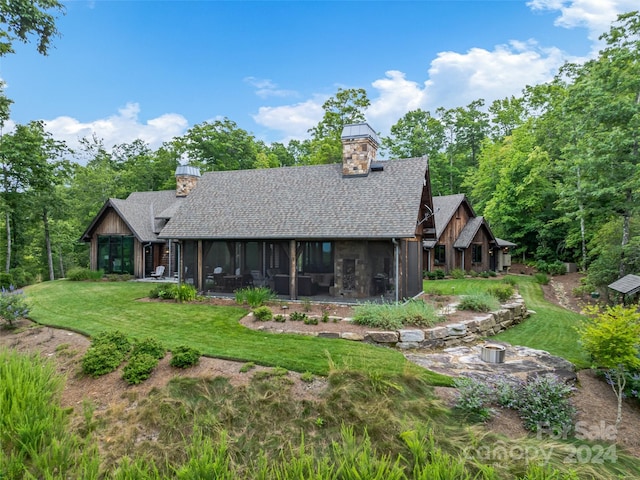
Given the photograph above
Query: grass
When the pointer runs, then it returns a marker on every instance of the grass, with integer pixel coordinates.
(93, 307)
(551, 328)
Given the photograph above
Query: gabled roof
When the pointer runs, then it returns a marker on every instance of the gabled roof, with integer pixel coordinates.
(313, 202)
(139, 212)
(505, 243)
(627, 285)
(469, 232)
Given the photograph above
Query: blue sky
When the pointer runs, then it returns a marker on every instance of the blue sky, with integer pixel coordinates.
(151, 69)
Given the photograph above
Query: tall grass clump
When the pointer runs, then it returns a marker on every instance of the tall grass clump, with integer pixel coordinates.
(34, 437)
(501, 291)
(394, 316)
(80, 274)
(479, 302)
(254, 296)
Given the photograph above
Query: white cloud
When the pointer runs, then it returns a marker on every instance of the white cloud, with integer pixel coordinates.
(456, 79)
(266, 88)
(292, 120)
(595, 15)
(124, 127)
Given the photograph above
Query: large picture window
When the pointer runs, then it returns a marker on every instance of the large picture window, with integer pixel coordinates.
(115, 254)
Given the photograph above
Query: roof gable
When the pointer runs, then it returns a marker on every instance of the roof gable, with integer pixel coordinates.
(139, 212)
(303, 202)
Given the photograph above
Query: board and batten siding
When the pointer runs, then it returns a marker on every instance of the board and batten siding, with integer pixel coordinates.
(112, 224)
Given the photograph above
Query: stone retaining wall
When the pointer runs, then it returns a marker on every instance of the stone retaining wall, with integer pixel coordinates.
(443, 336)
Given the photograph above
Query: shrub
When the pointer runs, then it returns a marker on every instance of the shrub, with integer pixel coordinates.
(80, 274)
(457, 273)
(20, 277)
(439, 274)
(185, 293)
(139, 368)
(297, 316)
(166, 291)
(149, 346)
(394, 316)
(184, 356)
(310, 321)
(541, 278)
(554, 268)
(279, 318)
(115, 337)
(478, 302)
(502, 292)
(12, 305)
(254, 296)
(263, 314)
(473, 398)
(543, 402)
(102, 359)
(431, 275)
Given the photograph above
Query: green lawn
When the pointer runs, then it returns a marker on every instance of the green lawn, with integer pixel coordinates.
(92, 307)
(552, 328)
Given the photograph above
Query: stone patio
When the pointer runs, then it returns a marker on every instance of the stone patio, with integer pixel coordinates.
(520, 363)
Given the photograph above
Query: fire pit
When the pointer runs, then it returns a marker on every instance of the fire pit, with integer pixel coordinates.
(492, 353)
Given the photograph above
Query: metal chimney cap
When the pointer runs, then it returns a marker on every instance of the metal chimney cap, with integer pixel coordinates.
(359, 130)
(188, 170)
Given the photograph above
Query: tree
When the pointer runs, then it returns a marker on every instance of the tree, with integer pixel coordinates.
(22, 19)
(218, 145)
(612, 338)
(606, 91)
(347, 106)
(414, 135)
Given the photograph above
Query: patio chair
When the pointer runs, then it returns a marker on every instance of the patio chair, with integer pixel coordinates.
(258, 278)
(159, 273)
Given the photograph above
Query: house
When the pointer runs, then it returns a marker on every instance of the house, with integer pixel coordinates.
(123, 236)
(463, 240)
(350, 230)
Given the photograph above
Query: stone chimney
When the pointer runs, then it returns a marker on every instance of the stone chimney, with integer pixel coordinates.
(186, 179)
(359, 147)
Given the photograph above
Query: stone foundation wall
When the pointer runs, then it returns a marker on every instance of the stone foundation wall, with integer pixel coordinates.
(450, 335)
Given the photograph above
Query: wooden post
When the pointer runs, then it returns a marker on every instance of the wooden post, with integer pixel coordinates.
(198, 278)
(293, 291)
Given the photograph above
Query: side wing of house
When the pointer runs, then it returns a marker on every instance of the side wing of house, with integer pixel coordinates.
(113, 246)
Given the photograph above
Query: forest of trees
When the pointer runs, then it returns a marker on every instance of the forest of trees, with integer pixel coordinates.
(555, 170)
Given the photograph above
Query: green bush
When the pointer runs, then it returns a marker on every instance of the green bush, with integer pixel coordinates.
(310, 321)
(554, 268)
(457, 273)
(474, 398)
(541, 278)
(184, 356)
(543, 402)
(115, 337)
(502, 292)
(20, 276)
(394, 316)
(431, 275)
(263, 314)
(439, 274)
(80, 274)
(149, 346)
(297, 316)
(101, 359)
(279, 318)
(185, 292)
(139, 368)
(478, 302)
(254, 296)
(12, 305)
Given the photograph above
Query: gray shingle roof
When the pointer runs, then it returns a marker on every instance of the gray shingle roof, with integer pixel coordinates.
(313, 202)
(139, 212)
(444, 207)
(628, 284)
(468, 232)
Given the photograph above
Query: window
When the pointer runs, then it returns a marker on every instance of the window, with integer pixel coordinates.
(115, 254)
(317, 257)
(440, 257)
(476, 253)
